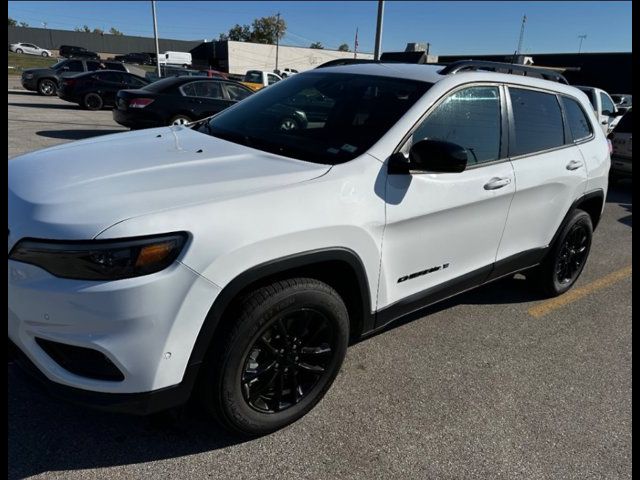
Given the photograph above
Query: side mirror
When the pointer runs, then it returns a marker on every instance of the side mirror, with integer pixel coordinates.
(434, 156)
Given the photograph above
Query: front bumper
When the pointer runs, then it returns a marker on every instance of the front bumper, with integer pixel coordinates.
(145, 326)
(29, 84)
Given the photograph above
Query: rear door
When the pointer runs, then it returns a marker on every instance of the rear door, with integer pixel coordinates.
(205, 98)
(549, 168)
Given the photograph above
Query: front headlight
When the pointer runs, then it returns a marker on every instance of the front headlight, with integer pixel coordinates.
(101, 259)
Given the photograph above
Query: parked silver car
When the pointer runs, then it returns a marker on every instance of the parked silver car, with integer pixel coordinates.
(30, 49)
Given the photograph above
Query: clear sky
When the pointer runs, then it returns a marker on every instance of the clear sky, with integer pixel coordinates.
(450, 27)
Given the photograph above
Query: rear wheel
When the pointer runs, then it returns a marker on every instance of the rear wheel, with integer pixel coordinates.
(19, 50)
(47, 87)
(289, 123)
(278, 358)
(567, 257)
(180, 120)
(45, 54)
(92, 101)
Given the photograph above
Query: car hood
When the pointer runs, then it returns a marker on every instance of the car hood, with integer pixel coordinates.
(40, 71)
(77, 190)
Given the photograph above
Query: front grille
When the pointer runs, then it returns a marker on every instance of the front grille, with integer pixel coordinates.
(85, 362)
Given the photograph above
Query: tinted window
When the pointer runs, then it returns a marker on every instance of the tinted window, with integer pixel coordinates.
(75, 66)
(361, 110)
(236, 93)
(109, 77)
(272, 79)
(134, 81)
(579, 124)
(92, 66)
(203, 89)
(469, 118)
(538, 121)
(607, 104)
(253, 77)
(625, 125)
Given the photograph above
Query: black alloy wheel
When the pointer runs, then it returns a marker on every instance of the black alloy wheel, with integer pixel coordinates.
(572, 255)
(287, 359)
(93, 101)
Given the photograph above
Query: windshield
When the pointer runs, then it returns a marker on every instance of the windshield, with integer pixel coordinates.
(320, 117)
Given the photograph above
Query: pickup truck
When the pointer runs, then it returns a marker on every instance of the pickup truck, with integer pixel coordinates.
(257, 79)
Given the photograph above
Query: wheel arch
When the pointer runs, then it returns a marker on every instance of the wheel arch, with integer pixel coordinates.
(341, 268)
(591, 202)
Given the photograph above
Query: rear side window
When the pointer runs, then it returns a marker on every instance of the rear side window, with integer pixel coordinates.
(538, 121)
(236, 93)
(203, 89)
(469, 118)
(579, 124)
(75, 66)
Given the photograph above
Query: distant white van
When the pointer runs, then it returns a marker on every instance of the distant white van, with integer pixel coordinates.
(182, 59)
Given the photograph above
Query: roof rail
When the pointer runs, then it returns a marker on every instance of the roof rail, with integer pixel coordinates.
(465, 65)
(346, 61)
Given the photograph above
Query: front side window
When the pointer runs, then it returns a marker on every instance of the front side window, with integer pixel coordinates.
(470, 118)
(271, 79)
(579, 124)
(607, 104)
(93, 66)
(538, 121)
(75, 66)
(356, 111)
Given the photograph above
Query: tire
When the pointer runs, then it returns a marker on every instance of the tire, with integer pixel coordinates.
(246, 402)
(180, 120)
(92, 101)
(19, 50)
(568, 255)
(47, 87)
(289, 123)
(45, 54)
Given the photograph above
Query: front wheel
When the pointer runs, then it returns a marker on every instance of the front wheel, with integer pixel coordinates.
(278, 358)
(19, 50)
(567, 257)
(47, 87)
(45, 54)
(180, 120)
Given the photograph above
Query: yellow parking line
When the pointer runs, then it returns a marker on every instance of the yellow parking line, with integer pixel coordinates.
(573, 295)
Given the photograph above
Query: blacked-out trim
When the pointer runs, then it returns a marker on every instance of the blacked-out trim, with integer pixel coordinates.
(420, 300)
(430, 296)
(273, 267)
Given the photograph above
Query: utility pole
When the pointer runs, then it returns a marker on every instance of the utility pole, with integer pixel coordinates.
(355, 45)
(376, 54)
(581, 37)
(524, 19)
(277, 39)
(155, 34)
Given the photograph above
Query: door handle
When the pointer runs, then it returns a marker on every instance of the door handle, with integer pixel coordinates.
(574, 165)
(496, 183)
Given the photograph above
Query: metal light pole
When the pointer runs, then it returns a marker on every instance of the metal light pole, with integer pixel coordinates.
(376, 53)
(155, 34)
(524, 20)
(277, 40)
(581, 37)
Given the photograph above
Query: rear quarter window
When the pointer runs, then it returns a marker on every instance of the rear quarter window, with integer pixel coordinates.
(579, 125)
(537, 121)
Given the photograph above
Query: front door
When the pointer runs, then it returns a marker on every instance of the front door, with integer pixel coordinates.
(443, 229)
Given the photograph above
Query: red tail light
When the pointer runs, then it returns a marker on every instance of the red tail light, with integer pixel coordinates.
(610, 146)
(140, 102)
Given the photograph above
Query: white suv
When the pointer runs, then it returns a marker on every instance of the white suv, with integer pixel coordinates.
(241, 257)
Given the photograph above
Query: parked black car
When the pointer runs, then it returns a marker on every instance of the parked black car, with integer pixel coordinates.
(45, 80)
(136, 58)
(176, 100)
(95, 90)
(69, 51)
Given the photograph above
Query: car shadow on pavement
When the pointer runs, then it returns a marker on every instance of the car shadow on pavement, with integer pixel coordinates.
(621, 193)
(78, 134)
(47, 435)
(62, 106)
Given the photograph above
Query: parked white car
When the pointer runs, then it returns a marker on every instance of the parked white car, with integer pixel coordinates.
(241, 258)
(604, 108)
(29, 49)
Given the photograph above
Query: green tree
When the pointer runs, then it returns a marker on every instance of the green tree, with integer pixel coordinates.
(263, 30)
(23, 24)
(115, 31)
(12, 22)
(317, 45)
(98, 30)
(343, 48)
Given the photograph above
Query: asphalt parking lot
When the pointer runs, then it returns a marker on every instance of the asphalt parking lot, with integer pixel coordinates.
(495, 383)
